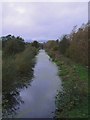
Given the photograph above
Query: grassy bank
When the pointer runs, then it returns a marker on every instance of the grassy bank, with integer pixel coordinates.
(17, 68)
(17, 74)
(18, 60)
(72, 102)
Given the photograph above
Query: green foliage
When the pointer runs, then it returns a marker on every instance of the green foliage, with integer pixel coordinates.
(35, 44)
(72, 101)
(17, 70)
(9, 74)
(52, 46)
(71, 55)
(0, 44)
(64, 44)
(12, 45)
(17, 66)
(74, 45)
(78, 50)
(24, 61)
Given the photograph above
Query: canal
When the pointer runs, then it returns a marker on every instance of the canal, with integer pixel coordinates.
(39, 97)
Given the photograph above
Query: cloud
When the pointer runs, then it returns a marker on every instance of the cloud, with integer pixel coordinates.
(42, 20)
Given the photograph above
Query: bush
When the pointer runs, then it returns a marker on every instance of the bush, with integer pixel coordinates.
(9, 74)
(12, 45)
(24, 60)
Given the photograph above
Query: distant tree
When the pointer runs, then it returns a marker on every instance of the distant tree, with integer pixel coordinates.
(78, 50)
(64, 44)
(12, 44)
(74, 45)
(35, 44)
(57, 41)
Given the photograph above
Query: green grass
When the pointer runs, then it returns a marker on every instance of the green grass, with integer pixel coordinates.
(72, 102)
(17, 67)
(75, 85)
(82, 72)
(80, 111)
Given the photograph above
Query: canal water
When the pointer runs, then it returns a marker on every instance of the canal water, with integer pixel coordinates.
(39, 97)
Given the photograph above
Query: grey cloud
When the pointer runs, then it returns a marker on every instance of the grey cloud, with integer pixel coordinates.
(42, 20)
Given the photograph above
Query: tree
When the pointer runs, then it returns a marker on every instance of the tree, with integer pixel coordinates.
(35, 44)
(64, 44)
(12, 44)
(78, 50)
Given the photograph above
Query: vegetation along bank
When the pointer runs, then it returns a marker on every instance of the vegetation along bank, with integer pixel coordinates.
(71, 55)
(18, 59)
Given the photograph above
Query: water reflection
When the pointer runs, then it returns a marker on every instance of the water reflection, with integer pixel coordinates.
(11, 103)
(11, 99)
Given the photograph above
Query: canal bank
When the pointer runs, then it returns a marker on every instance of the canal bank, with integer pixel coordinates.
(72, 102)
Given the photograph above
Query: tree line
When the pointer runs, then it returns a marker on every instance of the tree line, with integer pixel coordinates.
(73, 45)
(70, 53)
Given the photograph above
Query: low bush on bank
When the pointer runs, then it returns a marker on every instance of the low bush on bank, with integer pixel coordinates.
(17, 67)
(24, 61)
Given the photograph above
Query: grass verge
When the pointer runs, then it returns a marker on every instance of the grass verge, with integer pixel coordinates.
(72, 102)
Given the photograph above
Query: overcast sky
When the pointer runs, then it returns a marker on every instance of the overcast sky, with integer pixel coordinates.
(42, 21)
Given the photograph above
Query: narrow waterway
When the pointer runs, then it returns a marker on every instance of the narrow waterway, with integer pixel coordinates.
(39, 97)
